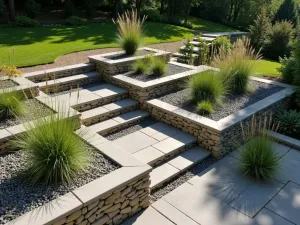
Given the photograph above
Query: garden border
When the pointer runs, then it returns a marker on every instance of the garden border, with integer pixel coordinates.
(223, 135)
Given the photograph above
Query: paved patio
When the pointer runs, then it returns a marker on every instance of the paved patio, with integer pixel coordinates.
(220, 195)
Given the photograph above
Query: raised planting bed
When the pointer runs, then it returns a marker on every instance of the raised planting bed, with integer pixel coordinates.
(118, 62)
(142, 87)
(114, 187)
(19, 84)
(221, 131)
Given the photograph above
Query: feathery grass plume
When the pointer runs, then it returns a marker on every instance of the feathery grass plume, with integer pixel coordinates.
(55, 154)
(158, 66)
(11, 103)
(207, 86)
(130, 31)
(258, 158)
(237, 65)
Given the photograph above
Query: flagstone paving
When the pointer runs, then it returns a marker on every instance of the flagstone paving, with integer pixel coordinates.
(221, 195)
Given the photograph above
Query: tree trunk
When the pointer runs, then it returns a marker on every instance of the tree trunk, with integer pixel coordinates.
(139, 6)
(116, 8)
(12, 11)
(162, 7)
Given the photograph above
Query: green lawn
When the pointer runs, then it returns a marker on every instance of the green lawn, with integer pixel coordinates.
(205, 25)
(268, 67)
(33, 46)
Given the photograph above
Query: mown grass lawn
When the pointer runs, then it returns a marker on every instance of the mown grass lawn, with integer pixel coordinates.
(33, 46)
(205, 25)
(267, 67)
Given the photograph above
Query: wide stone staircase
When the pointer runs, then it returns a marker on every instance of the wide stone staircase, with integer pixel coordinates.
(106, 109)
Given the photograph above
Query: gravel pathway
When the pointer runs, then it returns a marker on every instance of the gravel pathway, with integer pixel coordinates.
(132, 129)
(7, 84)
(17, 197)
(34, 110)
(172, 69)
(81, 57)
(231, 105)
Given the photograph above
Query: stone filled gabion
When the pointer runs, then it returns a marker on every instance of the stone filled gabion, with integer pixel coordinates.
(114, 207)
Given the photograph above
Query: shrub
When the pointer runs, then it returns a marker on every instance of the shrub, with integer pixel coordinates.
(207, 86)
(90, 8)
(130, 32)
(141, 66)
(260, 30)
(158, 66)
(10, 71)
(32, 9)
(2, 8)
(69, 9)
(205, 107)
(258, 159)
(288, 69)
(75, 21)
(152, 14)
(279, 41)
(188, 52)
(288, 10)
(289, 122)
(54, 152)
(24, 21)
(237, 65)
(297, 96)
(222, 42)
(203, 52)
(11, 104)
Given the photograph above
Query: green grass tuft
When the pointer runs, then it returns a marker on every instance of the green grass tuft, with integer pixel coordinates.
(54, 153)
(289, 122)
(11, 104)
(205, 107)
(141, 66)
(158, 66)
(258, 159)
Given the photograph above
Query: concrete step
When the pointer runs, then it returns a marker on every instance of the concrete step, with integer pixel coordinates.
(196, 43)
(180, 55)
(179, 164)
(93, 96)
(56, 73)
(108, 111)
(66, 83)
(117, 123)
(207, 39)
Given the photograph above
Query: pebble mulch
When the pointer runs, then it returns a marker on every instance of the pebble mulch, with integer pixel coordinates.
(7, 84)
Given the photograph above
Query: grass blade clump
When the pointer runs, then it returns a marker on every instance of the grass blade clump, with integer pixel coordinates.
(130, 31)
(289, 122)
(158, 66)
(205, 107)
(237, 65)
(54, 153)
(207, 86)
(141, 66)
(11, 104)
(258, 159)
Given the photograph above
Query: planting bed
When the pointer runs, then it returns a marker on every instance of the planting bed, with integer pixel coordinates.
(18, 197)
(122, 55)
(172, 70)
(232, 104)
(35, 110)
(7, 84)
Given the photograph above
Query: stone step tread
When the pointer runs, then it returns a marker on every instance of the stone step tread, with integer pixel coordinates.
(118, 121)
(208, 39)
(69, 78)
(196, 43)
(106, 90)
(108, 108)
(180, 55)
(178, 164)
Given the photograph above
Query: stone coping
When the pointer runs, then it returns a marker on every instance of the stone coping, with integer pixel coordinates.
(232, 119)
(294, 143)
(22, 84)
(126, 59)
(162, 80)
(54, 211)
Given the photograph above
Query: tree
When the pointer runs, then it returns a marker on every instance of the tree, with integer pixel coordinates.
(260, 30)
(12, 10)
(288, 11)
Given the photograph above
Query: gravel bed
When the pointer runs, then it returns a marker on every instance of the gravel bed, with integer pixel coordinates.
(172, 69)
(7, 84)
(35, 110)
(193, 171)
(17, 197)
(132, 129)
(230, 105)
(123, 55)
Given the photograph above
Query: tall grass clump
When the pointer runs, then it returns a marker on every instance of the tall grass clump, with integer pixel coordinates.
(141, 66)
(237, 65)
(55, 154)
(158, 66)
(130, 31)
(207, 86)
(11, 104)
(258, 158)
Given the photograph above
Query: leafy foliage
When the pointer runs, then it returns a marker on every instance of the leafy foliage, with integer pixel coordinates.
(258, 159)
(75, 21)
(222, 42)
(32, 9)
(203, 53)
(10, 71)
(289, 122)
(288, 69)
(130, 31)
(11, 104)
(189, 52)
(54, 152)
(158, 66)
(24, 21)
(289, 10)
(69, 9)
(205, 107)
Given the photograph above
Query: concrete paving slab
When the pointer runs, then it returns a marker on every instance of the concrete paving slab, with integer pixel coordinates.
(149, 155)
(155, 128)
(266, 217)
(162, 173)
(135, 142)
(287, 203)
